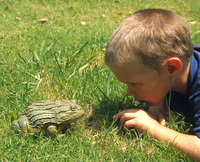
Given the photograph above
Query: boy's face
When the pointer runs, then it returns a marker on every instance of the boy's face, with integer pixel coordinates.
(144, 84)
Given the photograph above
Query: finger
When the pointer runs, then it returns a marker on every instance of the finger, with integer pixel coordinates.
(162, 120)
(117, 116)
(120, 114)
(126, 117)
(128, 124)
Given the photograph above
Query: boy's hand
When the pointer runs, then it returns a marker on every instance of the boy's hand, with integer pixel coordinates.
(136, 118)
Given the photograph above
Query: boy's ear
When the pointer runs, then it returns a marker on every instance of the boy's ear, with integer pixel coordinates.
(173, 65)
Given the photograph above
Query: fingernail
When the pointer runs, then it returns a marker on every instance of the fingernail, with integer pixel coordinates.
(163, 122)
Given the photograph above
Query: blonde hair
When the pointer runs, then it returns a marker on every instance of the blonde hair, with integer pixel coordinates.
(148, 37)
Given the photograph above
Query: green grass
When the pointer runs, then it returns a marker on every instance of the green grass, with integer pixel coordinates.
(63, 59)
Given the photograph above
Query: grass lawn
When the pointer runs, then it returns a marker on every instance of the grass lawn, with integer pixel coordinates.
(62, 58)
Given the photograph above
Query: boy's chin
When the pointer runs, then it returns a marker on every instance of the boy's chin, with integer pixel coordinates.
(150, 104)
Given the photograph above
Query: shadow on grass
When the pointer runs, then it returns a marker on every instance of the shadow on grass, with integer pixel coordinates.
(100, 115)
(102, 112)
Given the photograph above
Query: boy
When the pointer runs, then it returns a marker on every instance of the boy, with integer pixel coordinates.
(151, 52)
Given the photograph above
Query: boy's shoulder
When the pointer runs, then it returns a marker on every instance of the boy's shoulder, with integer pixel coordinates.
(193, 90)
(193, 85)
(194, 72)
(196, 47)
(196, 51)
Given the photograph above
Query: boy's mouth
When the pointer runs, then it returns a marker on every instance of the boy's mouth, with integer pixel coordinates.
(147, 102)
(142, 101)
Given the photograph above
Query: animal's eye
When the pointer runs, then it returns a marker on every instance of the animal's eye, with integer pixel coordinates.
(73, 108)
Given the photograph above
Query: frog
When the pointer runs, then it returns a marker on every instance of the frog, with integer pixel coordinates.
(47, 117)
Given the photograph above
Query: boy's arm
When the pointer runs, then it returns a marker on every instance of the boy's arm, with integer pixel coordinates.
(189, 144)
(143, 122)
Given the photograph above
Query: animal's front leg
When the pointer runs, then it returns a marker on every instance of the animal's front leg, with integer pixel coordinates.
(52, 129)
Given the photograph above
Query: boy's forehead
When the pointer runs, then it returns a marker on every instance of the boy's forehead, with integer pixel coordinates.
(130, 73)
(136, 67)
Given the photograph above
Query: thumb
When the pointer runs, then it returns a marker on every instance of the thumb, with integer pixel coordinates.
(162, 120)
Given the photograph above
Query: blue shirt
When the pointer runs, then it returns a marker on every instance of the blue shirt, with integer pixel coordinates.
(193, 90)
(189, 105)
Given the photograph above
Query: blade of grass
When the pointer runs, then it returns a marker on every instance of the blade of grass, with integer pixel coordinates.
(168, 103)
(57, 62)
(22, 58)
(21, 87)
(103, 93)
(80, 50)
(71, 61)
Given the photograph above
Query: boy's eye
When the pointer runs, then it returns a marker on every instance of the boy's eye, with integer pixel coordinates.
(133, 84)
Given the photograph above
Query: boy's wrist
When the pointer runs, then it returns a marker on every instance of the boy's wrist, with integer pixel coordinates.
(153, 129)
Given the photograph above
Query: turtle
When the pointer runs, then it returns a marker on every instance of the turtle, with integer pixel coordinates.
(47, 117)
